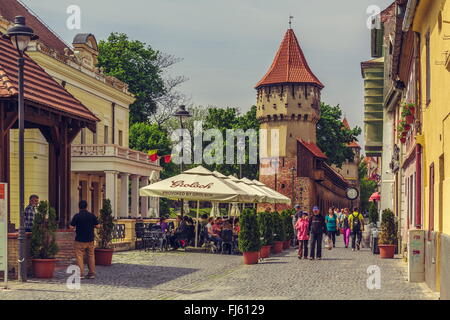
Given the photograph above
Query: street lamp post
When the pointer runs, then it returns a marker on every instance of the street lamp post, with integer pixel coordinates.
(20, 36)
(293, 171)
(182, 114)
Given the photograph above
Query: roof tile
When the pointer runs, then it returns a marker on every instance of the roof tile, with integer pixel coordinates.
(40, 87)
(313, 148)
(289, 65)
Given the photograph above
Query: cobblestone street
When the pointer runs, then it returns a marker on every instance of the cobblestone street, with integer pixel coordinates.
(179, 275)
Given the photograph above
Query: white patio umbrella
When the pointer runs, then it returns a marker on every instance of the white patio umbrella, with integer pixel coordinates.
(261, 197)
(279, 198)
(197, 184)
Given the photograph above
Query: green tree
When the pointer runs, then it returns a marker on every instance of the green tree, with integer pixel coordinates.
(136, 64)
(367, 186)
(333, 137)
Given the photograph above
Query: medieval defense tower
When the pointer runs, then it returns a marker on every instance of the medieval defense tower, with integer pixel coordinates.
(288, 108)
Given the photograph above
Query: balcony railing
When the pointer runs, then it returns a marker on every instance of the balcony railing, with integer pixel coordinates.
(109, 150)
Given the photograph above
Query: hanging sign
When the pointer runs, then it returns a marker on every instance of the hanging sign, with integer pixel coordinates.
(4, 231)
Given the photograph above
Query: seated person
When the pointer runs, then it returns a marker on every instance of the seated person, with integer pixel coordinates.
(212, 236)
(179, 234)
(163, 224)
(237, 227)
(217, 226)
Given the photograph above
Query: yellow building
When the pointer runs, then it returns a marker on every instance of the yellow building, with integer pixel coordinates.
(102, 164)
(432, 22)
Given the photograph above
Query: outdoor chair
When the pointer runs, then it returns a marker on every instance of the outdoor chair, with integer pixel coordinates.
(139, 232)
(227, 240)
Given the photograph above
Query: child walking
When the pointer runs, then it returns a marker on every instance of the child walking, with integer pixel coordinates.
(302, 227)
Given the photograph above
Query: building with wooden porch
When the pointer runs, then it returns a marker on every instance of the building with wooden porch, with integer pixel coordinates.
(102, 164)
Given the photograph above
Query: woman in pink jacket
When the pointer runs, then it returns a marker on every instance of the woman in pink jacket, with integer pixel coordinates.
(302, 227)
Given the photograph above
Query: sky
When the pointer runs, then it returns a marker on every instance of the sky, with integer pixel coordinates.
(228, 45)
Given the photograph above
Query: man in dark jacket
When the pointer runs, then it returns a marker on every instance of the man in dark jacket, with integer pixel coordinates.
(84, 224)
(317, 228)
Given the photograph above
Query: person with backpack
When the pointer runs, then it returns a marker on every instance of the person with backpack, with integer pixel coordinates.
(316, 230)
(356, 222)
(345, 226)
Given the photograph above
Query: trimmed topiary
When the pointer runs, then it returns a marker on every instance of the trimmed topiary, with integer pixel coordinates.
(388, 234)
(43, 238)
(105, 233)
(265, 226)
(279, 232)
(249, 237)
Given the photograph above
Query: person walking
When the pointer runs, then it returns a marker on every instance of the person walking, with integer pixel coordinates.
(84, 224)
(316, 228)
(30, 212)
(356, 222)
(331, 221)
(345, 226)
(302, 228)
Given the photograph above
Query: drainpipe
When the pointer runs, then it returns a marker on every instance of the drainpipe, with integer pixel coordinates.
(418, 186)
(113, 123)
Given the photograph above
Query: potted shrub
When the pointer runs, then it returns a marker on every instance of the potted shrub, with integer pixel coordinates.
(265, 232)
(279, 232)
(388, 236)
(43, 241)
(288, 227)
(103, 252)
(248, 241)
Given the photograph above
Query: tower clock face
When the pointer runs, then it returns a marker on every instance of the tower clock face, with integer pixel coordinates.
(352, 193)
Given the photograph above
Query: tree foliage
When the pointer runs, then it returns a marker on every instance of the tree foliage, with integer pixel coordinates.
(145, 71)
(333, 137)
(43, 238)
(367, 187)
(289, 228)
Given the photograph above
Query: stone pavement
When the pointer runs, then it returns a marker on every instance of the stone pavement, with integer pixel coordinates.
(342, 274)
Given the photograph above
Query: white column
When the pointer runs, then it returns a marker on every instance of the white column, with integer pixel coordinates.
(74, 199)
(111, 189)
(144, 200)
(135, 196)
(123, 201)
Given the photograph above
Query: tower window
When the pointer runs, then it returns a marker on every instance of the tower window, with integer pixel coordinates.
(299, 105)
(305, 117)
(274, 106)
(286, 105)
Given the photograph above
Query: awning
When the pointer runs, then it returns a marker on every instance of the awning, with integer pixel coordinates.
(375, 197)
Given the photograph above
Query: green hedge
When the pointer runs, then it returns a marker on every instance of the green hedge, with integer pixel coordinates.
(249, 238)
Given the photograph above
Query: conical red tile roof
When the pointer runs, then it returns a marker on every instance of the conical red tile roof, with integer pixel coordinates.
(352, 144)
(289, 65)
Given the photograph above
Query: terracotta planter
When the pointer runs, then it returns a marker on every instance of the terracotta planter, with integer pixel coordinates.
(286, 245)
(265, 252)
(387, 251)
(251, 257)
(407, 127)
(409, 119)
(44, 268)
(403, 140)
(103, 257)
(277, 247)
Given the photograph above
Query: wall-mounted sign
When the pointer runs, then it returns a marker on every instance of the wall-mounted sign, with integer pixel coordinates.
(4, 231)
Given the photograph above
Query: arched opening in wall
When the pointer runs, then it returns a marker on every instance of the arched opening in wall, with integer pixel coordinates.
(305, 118)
